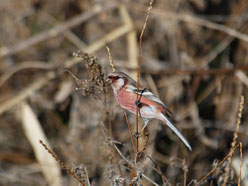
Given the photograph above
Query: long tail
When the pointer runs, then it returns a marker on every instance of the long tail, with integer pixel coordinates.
(169, 124)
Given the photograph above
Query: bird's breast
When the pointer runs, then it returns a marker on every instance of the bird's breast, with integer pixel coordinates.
(126, 100)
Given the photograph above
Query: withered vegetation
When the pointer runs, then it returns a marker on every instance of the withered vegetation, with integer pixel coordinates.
(194, 58)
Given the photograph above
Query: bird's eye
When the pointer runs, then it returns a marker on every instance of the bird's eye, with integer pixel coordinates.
(116, 77)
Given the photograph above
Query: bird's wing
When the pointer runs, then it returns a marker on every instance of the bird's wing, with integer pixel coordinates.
(149, 95)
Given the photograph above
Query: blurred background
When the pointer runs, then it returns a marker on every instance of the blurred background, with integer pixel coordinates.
(194, 57)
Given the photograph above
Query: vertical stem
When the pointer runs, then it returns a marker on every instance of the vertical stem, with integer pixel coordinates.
(240, 163)
(130, 131)
(138, 75)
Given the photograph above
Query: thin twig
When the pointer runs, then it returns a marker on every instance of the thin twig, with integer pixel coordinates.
(150, 180)
(138, 73)
(87, 176)
(62, 163)
(67, 33)
(22, 66)
(118, 32)
(185, 170)
(26, 92)
(138, 79)
(4, 51)
(132, 165)
(235, 136)
(132, 47)
(123, 157)
(197, 21)
(223, 160)
(197, 71)
(240, 163)
(159, 171)
(130, 131)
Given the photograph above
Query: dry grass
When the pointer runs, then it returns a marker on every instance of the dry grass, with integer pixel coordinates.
(194, 57)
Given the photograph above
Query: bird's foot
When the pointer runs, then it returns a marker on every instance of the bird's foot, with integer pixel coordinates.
(138, 103)
(137, 135)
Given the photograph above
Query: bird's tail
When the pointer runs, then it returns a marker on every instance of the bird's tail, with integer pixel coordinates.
(169, 124)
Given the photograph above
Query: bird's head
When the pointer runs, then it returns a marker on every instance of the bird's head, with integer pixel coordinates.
(117, 80)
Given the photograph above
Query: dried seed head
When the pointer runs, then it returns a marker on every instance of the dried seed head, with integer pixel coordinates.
(95, 84)
(81, 172)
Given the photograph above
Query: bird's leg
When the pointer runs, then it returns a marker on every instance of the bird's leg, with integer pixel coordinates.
(137, 135)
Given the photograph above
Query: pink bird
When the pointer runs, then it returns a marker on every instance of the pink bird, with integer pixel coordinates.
(150, 107)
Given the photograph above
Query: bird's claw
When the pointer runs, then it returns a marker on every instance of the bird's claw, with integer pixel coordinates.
(137, 135)
(138, 103)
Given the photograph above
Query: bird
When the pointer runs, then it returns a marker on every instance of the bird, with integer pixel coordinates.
(150, 107)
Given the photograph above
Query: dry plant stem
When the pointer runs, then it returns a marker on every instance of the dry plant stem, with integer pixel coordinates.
(184, 172)
(109, 123)
(72, 75)
(123, 157)
(62, 163)
(69, 63)
(242, 77)
(118, 32)
(235, 136)
(130, 131)
(22, 66)
(105, 106)
(4, 51)
(133, 172)
(138, 78)
(126, 160)
(240, 164)
(159, 171)
(197, 71)
(90, 49)
(33, 131)
(138, 74)
(209, 89)
(67, 33)
(217, 50)
(132, 47)
(132, 165)
(199, 21)
(87, 176)
(208, 24)
(224, 159)
(26, 92)
(148, 179)
(107, 114)
(110, 59)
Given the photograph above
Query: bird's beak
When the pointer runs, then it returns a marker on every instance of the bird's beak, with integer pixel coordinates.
(108, 81)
